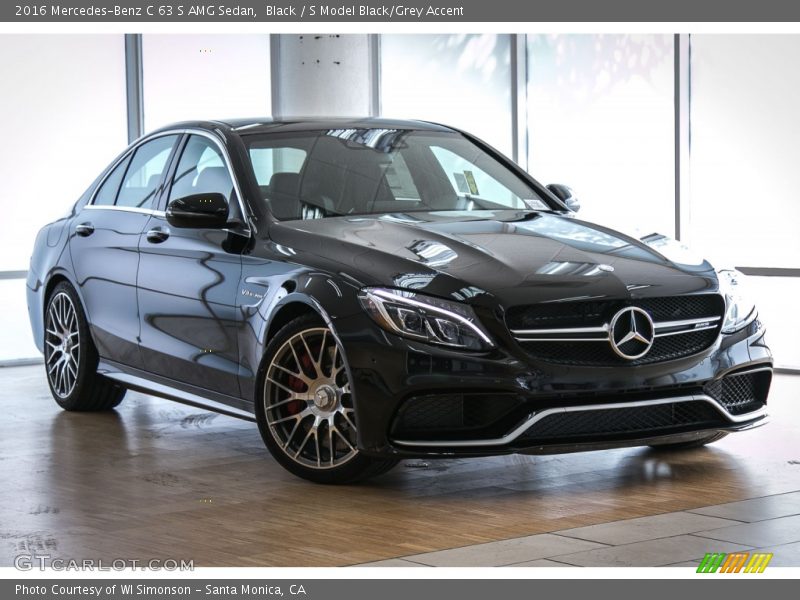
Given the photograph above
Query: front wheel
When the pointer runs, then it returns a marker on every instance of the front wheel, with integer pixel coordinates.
(306, 413)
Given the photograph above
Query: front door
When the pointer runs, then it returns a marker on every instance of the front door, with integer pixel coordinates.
(188, 282)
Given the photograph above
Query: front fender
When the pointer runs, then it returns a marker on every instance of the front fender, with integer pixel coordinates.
(283, 297)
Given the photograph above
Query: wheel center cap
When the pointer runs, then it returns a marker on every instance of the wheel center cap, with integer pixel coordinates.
(325, 397)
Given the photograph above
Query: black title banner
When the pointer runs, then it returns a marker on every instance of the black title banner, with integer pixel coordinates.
(408, 11)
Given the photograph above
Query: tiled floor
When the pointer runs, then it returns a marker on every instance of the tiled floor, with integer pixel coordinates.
(670, 539)
(155, 479)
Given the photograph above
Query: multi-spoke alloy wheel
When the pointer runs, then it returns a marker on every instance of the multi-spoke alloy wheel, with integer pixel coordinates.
(307, 401)
(62, 345)
(71, 358)
(306, 412)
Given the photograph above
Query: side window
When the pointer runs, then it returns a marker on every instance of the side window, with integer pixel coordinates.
(107, 193)
(201, 170)
(140, 183)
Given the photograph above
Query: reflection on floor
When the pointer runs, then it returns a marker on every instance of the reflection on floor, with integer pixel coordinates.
(156, 479)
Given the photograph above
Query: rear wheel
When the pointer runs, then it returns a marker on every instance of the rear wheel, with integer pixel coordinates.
(306, 412)
(71, 358)
(698, 443)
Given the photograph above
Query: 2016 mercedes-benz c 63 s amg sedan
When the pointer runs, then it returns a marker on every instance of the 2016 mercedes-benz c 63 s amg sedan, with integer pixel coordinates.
(372, 290)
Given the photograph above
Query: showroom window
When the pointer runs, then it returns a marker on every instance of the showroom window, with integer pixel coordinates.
(195, 77)
(601, 115)
(743, 209)
(73, 85)
(466, 84)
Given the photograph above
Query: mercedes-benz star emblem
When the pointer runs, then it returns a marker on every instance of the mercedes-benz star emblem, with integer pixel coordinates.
(631, 333)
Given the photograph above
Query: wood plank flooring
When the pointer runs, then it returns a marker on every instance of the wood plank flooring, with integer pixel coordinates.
(155, 479)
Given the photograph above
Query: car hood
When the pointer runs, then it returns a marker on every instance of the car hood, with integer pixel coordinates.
(516, 256)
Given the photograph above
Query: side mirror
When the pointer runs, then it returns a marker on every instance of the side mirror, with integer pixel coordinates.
(566, 195)
(199, 211)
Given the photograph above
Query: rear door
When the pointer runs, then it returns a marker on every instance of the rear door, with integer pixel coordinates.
(104, 247)
(188, 281)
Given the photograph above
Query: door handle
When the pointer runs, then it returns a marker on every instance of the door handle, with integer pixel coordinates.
(84, 229)
(157, 235)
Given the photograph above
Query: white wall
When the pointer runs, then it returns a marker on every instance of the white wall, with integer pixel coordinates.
(196, 77)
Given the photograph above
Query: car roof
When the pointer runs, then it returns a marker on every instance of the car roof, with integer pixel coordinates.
(273, 124)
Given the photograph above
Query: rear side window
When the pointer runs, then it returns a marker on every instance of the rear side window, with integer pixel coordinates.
(140, 184)
(107, 193)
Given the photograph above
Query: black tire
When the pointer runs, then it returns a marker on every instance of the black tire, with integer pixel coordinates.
(324, 407)
(698, 443)
(70, 356)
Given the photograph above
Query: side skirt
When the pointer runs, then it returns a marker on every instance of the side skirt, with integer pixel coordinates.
(163, 387)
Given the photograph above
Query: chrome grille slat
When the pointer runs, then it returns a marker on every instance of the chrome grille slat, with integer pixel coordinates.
(681, 326)
(689, 325)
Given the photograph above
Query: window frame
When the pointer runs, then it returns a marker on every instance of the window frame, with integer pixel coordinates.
(128, 156)
(159, 189)
(160, 208)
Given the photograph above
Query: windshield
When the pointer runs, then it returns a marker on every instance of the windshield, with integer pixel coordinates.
(335, 172)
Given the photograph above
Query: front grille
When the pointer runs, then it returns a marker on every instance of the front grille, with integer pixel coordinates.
(629, 421)
(557, 315)
(600, 354)
(454, 415)
(741, 392)
(527, 320)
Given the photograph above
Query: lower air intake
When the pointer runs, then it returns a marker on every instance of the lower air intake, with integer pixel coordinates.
(741, 392)
(454, 416)
(636, 421)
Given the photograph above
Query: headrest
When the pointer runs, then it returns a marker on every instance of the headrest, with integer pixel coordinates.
(214, 179)
(285, 183)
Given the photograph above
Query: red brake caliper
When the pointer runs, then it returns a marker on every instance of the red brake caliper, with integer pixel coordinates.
(297, 385)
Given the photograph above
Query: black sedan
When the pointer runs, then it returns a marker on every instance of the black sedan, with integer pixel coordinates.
(372, 290)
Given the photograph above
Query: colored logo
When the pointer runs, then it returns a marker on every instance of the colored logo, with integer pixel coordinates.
(737, 562)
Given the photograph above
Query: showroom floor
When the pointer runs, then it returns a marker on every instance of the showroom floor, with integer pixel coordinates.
(156, 479)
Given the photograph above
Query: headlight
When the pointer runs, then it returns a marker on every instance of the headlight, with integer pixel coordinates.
(739, 309)
(425, 318)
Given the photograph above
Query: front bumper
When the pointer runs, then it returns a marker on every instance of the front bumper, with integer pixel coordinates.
(503, 402)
